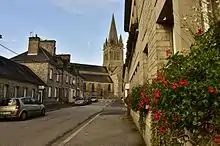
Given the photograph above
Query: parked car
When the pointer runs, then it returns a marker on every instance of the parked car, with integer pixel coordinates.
(80, 101)
(94, 99)
(22, 108)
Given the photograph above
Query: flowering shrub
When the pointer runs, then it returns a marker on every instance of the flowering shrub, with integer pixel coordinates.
(185, 96)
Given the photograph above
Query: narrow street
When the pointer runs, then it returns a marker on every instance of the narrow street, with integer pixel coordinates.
(109, 128)
(99, 124)
(42, 131)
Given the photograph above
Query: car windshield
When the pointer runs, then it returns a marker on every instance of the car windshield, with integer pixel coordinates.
(7, 102)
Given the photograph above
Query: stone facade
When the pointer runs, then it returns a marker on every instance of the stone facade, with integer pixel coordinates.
(53, 69)
(11, 88)
(96, 87)
(155, 27)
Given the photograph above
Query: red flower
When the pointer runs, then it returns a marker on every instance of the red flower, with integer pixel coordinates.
(174, 85)
(163, 129)
(156, 100)
(217, 140)
(211, 89)
(157, 115)
(164, 82)
(199, 31)
(183, 82)
(154, 81)
(168, 52)
(146, 100)
(157, 93)
(143, 95)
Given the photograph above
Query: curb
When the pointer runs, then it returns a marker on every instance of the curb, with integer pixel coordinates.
(72, 129)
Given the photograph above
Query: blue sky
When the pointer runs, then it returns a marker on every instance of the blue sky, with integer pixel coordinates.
(79, 26)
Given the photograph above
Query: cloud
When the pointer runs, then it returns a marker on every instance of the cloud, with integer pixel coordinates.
(80, 7)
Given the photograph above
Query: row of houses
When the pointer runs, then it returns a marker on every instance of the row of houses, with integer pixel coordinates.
(155, 26)
(40, 73)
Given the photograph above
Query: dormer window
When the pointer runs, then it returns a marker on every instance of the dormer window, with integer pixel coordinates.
(51, 74)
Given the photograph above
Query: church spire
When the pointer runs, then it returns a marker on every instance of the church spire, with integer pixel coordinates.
(113, 36)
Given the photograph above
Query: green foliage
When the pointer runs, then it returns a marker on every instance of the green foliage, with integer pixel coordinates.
(197, 103)
(185, 96)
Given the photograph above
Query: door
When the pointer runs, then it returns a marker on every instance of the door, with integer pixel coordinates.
(40, 96)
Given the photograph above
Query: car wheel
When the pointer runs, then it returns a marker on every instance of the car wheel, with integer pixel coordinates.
(23, 116)
(43, 112)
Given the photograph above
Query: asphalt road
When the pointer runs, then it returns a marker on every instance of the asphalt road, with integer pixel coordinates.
(109, 128)
(42, 130)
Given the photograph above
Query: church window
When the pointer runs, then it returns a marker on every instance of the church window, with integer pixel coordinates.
(109, 87)
(118, 56)
(84, 86)
(93, 87)
(111, 55)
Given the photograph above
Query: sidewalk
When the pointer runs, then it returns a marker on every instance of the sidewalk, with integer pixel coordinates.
(112, 128)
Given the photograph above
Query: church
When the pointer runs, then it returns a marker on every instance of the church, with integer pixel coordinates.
(105, 81)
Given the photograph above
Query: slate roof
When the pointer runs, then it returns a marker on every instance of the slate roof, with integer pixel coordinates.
(90, 68)
(15, 71)
(42, 56)
(97, 78)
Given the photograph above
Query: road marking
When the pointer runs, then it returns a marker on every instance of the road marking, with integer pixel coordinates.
(78, 131)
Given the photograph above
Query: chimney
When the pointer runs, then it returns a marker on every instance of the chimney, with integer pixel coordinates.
(33, 45)
(49, 46)
(65, 58)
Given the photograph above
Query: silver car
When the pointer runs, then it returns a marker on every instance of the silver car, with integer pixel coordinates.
(21, 108)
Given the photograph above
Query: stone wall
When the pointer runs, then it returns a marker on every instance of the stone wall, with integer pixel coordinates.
(19, 86)
(101, 90)
(60, 88)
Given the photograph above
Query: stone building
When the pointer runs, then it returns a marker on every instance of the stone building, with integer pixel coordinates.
(53, 69)
(156, 27)
(105, 81)
(113, 54)
(97, 82)
(17, 80)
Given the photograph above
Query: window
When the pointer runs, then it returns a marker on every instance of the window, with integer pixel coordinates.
(58, 77)
(67, 78)
(25, 92)
(84, 86)
(16, 91)
(109, 87)
(5, 91)
(70, 81)
(93, 87)
(74, 80)
(32, 93)
(51, 74)
(49, 91)
(55, 92)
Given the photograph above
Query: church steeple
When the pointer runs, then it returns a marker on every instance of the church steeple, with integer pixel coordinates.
(113, 36)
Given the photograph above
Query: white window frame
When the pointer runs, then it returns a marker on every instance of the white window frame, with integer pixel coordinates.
(49, 92)
(67, 78)
(74, 81)
(32, 93)
(25, 92)
(58, 77)
(51, 74)
(55, 92)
